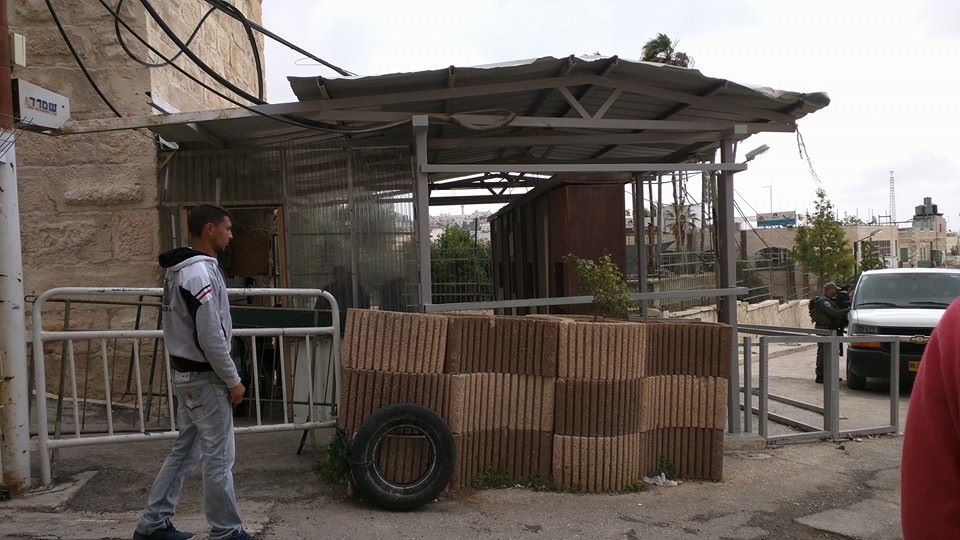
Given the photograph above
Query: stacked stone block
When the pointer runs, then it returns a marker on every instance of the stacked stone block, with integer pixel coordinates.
(501, 395)
(599, 406)
(391, 358)
(593, 405)
(685, 394)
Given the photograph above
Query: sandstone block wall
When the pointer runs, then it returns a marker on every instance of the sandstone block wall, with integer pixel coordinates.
(89, 203)
(592, 406)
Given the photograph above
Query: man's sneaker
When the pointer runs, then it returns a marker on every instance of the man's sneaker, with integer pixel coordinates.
(168, 532)
(241, 534)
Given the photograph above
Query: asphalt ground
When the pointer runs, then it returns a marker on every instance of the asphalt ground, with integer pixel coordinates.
(833, 489)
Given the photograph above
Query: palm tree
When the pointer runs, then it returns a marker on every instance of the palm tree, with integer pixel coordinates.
(662, 49)
(682, 220)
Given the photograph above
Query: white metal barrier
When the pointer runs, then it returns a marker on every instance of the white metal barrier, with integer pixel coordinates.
(45, 443)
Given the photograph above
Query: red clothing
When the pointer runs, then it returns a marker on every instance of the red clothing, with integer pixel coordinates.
(930, 466)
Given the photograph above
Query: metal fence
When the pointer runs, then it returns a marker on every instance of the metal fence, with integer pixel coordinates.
(830, 411)
(462, 279)
(764, 279)
(305, 359)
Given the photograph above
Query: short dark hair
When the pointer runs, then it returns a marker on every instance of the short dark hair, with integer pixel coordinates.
(205, 213)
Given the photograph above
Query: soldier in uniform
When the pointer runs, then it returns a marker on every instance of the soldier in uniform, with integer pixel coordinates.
(827, 314)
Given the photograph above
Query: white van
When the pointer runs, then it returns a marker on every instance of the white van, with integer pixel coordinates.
(900, 302)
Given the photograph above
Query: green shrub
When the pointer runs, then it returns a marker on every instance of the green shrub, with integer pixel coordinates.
(605, 282)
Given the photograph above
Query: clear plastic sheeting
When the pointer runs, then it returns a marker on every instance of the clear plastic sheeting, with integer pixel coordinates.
(348, 224)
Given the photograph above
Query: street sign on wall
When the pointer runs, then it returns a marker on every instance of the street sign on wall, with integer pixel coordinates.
(39, 108)
(777, 219)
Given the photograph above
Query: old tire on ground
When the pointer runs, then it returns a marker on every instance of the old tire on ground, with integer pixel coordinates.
(854, 381)
(363, 457)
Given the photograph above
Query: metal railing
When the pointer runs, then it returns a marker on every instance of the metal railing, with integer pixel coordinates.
(326, 396)
(830, 411)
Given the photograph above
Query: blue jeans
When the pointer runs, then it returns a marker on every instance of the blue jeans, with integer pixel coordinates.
(205, 420)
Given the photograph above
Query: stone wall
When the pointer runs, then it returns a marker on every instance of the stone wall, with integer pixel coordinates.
(222, 43)
(770, 313)
(89, 203)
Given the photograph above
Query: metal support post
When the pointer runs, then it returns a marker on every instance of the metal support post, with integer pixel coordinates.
(728, 278)
(14, 387)
(764, 389)
(421, 195)
(747, 385)
(831, 388)
(641, 241)
(354, 237)
(894, 386)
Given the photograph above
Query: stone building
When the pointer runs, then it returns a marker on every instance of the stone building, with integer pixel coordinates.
(926, 242)
(89, 203)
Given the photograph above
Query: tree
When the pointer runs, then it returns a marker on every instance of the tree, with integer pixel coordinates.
(458, 259)
(870, 258)
(662, 49)
(605, 282)
(852, 220)
(820, 245)
(682, 221)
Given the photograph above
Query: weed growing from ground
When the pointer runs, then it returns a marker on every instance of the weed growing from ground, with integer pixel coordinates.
(333, 467)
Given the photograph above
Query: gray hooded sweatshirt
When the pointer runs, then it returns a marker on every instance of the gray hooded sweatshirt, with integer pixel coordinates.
(196, 312)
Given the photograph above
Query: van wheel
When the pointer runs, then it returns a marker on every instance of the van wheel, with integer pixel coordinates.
(854, 381)
(402, 425)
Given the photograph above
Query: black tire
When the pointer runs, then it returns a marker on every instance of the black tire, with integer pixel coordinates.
(363, 457)
(854, 381)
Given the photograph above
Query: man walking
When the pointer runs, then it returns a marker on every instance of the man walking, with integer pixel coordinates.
(197, 330)
(827, 314)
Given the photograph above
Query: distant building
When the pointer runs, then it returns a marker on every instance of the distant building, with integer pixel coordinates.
(925, 243)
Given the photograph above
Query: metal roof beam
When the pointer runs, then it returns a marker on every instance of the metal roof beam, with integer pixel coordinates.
(466, 91)
(201, 132)
(541, 98)
(159, 120)
(576, 140)
(536, 84)
(472, 199)
(573, 102)
(484, 185)
(676, 109)
(581, 167)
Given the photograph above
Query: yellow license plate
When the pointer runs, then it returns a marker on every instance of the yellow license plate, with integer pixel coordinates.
(913, 366)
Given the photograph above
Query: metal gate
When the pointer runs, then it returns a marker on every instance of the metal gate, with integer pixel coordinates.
(830, 411)
(321, 387)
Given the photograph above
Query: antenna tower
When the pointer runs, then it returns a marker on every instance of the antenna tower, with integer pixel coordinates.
(893, 201)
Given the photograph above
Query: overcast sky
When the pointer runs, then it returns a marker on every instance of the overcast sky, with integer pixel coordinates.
(889, 67)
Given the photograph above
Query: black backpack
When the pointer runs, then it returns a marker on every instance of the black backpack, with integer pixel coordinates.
(812, 307)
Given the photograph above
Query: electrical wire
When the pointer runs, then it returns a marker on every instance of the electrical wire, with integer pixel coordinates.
(135, 58)
(235, 12)
(308, 124)
(239, 16)
(196, 59)
(804, 154)
(76, 57)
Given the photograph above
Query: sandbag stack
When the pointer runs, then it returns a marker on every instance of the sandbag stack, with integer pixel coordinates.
(685, 396)
(500, 395)
(599, 404)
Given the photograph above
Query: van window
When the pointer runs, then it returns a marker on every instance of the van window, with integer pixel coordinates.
(907, 290)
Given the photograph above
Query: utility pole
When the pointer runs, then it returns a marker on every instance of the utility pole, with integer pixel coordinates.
(14, 396)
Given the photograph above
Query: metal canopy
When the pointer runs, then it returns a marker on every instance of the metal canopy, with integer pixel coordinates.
(547, 115)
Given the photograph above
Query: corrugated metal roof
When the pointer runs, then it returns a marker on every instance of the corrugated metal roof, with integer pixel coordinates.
(651, 92)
